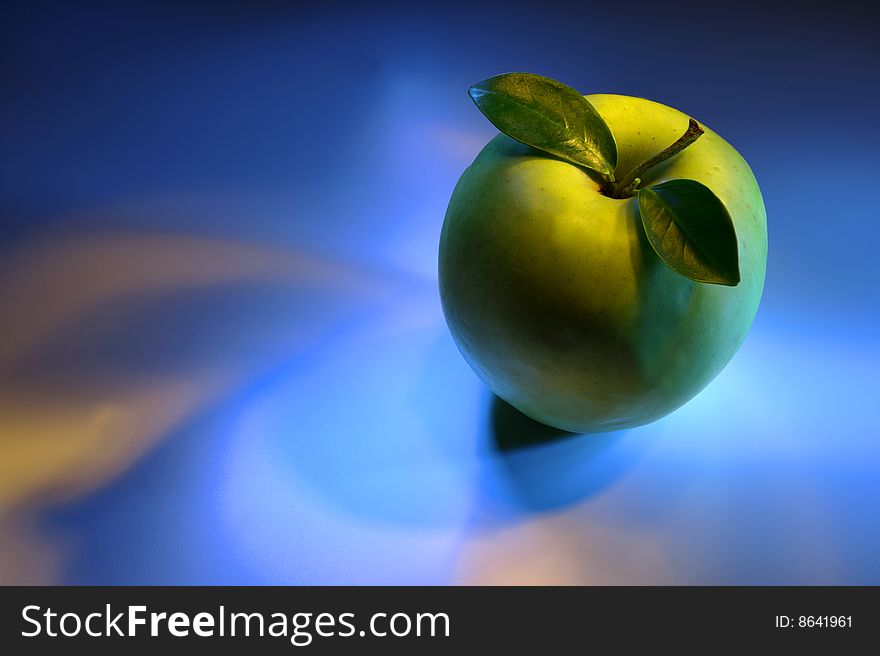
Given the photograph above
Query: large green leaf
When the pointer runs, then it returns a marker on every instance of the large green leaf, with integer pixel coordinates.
(691, 231)
(547, 115)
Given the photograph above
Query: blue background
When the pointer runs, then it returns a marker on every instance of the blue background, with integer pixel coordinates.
(224, 359)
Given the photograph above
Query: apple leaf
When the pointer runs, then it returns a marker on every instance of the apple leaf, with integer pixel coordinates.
(547, 115)
(691, 230)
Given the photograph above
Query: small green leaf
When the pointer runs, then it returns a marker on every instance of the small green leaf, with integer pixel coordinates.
(547, 115)
(691, 231)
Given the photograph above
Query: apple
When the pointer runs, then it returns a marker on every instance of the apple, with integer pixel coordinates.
(558, 301)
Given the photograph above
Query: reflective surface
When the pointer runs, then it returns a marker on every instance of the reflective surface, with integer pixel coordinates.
(223, 358)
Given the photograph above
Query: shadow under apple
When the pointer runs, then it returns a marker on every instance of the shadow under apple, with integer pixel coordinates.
(532, 467)
(511, 429)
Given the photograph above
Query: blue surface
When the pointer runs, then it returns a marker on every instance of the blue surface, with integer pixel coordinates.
(326, 429)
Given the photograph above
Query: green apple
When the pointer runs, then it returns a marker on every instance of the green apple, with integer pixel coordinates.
(556, 298)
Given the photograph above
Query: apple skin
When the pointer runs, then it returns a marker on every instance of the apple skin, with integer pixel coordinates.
(555, 297)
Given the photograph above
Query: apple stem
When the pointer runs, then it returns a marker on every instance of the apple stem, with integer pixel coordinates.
(626, 187)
